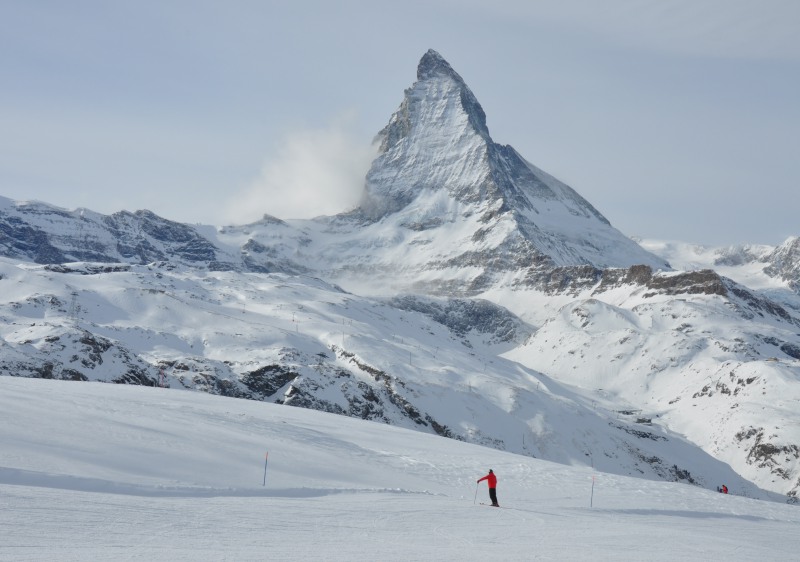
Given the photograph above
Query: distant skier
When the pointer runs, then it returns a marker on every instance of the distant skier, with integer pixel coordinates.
(724, 489)
(491, 480)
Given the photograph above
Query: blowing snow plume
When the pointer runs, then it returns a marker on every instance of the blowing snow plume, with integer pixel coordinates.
(315, 172)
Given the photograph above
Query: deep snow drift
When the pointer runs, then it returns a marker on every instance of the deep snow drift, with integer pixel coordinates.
(116, 472)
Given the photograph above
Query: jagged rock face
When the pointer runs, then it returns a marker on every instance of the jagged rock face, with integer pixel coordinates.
(145, 237)
(437, 140)
(785, 262)
(49, 235)
(68, 353)
(20, 239)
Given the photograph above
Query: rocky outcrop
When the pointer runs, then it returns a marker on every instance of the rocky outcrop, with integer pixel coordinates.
(784, 263)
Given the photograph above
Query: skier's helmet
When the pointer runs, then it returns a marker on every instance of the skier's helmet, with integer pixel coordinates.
(490, 470)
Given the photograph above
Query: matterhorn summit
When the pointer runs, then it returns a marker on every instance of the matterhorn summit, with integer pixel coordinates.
(436, 140)
(438, 168)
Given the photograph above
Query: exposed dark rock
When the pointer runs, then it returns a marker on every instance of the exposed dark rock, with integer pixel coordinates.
(136, 377)
(94, 348)
(267, 380)
(88, 268)
(791, 350)
(639, 433)
(21, 240)
(765, 454)
(462, 316)
(703, 282)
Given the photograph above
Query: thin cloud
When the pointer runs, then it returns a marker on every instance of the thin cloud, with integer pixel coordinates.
(314, 172)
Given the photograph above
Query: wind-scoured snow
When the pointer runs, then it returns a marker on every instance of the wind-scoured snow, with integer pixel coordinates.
(94, 471)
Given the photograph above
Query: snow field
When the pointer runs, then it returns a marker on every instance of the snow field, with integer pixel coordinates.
(114, 472)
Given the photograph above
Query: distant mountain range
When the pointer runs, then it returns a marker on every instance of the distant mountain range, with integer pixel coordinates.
(470, 294)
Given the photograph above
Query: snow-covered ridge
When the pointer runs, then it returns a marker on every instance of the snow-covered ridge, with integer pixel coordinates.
(773, 271)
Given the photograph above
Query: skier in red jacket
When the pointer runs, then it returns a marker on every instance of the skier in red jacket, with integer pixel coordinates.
(491, 480)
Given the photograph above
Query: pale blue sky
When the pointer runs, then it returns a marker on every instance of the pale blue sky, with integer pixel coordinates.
(676, 119)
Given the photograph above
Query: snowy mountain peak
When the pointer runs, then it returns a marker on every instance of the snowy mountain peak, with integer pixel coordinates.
(438, 166)
(438, 100)
(433, 64)
(437, 77)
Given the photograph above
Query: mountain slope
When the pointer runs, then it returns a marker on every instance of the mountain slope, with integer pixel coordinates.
(112, 472)
(415, 362)
(721, 369)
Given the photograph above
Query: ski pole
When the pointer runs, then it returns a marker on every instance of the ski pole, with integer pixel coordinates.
(476, 495)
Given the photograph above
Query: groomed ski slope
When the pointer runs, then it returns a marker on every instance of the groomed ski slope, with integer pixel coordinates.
(92, 471)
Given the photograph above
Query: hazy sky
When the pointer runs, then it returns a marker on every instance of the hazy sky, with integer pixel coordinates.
(675, 119)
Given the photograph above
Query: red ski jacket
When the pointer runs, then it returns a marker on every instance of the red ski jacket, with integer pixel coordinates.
(491, 480)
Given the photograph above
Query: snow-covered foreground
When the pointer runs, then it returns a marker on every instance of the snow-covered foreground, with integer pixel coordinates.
(92, 471)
